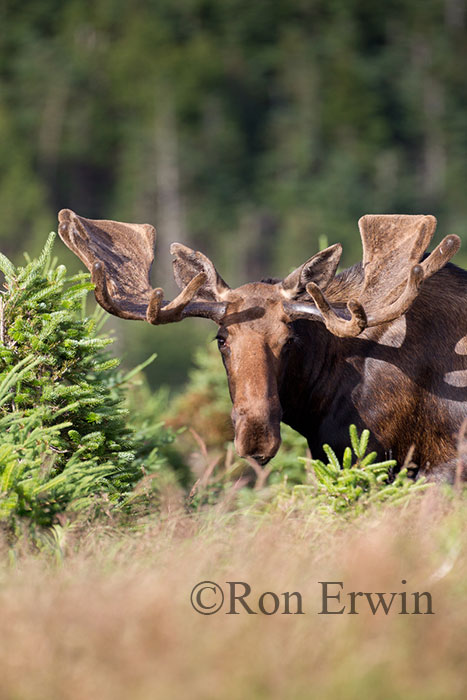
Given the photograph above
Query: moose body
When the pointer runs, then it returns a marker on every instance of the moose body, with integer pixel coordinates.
(382, 345)
(405, 381)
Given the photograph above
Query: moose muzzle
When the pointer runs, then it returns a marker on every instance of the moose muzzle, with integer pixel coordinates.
(257, 434)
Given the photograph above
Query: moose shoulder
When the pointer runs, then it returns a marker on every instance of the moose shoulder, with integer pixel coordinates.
(382, 345)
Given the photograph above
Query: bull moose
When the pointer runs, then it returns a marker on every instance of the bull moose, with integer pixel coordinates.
(383, 344)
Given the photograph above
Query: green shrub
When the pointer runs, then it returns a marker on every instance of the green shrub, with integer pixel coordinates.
(351, 486)
(67, 439)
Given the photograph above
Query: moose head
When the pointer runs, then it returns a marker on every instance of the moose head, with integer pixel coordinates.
(256, 322)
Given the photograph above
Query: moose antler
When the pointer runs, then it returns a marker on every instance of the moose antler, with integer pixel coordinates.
(393, 246)
(119, 257)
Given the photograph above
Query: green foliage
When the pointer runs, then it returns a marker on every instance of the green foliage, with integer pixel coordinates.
(68, 441)
(208, 378)
(352, 486)
(205, 405)
(289, 463)
(298, 484)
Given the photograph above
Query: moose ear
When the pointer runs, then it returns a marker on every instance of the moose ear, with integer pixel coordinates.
(319, 269)
(188, 263)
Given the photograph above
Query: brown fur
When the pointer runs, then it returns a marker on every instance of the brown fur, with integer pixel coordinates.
(391, 379)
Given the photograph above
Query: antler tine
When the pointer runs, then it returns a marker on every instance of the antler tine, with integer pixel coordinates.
(338, 326)
(441, 255)
(158, 314)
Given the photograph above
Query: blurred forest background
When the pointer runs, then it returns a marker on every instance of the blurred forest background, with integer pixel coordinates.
(252, 131)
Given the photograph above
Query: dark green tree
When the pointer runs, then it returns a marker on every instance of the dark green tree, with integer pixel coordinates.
(68, 441)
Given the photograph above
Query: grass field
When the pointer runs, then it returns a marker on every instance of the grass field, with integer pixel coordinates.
(105, 612)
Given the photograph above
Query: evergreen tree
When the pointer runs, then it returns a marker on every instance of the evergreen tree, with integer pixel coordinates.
(68, 441)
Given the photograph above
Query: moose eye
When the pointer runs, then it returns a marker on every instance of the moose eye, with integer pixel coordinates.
(221, 342)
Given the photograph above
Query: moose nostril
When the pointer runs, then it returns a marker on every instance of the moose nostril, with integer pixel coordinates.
(261, 459)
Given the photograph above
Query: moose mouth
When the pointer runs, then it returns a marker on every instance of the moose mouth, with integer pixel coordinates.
(255, 441)
(262, 461)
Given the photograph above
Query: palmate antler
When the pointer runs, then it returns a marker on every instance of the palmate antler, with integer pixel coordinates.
(119, 257)
(393, 246)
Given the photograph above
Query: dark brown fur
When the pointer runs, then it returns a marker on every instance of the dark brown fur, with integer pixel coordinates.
(399, 380)
(393, 379)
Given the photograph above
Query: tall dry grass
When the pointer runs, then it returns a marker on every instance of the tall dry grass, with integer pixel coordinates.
(106, 613)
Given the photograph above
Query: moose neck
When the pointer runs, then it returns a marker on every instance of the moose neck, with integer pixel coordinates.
(308, 376)
(316, 385)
